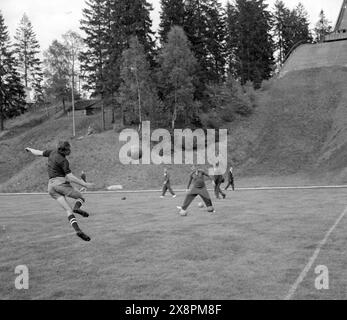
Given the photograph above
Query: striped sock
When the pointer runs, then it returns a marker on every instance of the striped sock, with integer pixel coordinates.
(73, 222)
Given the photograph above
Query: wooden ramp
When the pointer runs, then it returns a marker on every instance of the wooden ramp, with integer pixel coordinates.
(308, 56)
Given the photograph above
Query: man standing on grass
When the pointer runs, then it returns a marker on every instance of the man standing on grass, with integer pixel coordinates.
(230, 179)
(167, 185)
(59, 186)
(84, 178)
(218, 180)
(197, 178)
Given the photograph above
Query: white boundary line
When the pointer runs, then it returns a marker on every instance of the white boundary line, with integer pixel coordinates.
(183, 190)
(313, 258)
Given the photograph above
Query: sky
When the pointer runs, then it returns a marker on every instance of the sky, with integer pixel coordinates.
(52, 18)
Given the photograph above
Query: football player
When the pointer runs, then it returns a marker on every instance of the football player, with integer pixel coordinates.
(197, 179)
(59, 184)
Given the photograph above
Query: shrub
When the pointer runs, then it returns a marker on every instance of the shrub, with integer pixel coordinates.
(227, 114)
(267, 84)
(210, 121)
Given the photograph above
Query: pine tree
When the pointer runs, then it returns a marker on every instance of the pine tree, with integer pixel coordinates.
(322, 28)
(231, 39)
(204, 26)
(177, 68)
(127, 19)
(96, 25)
(172, 14)
(291, 27)
(132, 18)
(12, 100)
(216, 35)
(137, 94)
(27, 49)
(93, 59)
(281, 18)
(252, 41)
(109, 24)
(299, 27)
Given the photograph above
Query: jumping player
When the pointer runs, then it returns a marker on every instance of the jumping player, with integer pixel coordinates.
(197, 178)
(218, 180)
(59, 186)
(167, 185)
(230, 179)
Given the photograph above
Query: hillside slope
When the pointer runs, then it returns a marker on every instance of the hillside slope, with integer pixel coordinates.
(97, 155)
(305, 127)
(297, 133)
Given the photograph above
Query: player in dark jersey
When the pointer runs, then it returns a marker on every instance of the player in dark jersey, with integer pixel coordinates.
(167, 185)
(84, 178)
(59, 186)
(197, 179)
(230, 179)
(218, 180)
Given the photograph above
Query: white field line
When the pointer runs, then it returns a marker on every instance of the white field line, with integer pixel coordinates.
(183, 190)
(313, 258)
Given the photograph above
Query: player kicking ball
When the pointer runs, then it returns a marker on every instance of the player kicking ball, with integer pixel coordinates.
(59, 186)
(197, 179)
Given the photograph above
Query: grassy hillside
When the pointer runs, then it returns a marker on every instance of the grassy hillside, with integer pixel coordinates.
(297, 133)
(96, 154)
(304, 127)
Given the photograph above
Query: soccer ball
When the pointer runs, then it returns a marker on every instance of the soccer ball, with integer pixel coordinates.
(115, 187)
(200, 205)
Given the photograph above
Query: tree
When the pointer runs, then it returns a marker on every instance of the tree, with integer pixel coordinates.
(109, 24)
(281, 18)
(56, 71)
(127, 19)
(251, 41)
(74, 44)
(177, 67)
(27, 50)
(204, 26)
(93, 58)
(290, 27)
(138, 23)
(322, 28)
(231, 39)
(137, 94)
(96, 25)
(172, 14)
(299, 26)
(216, 34)
(12, 100)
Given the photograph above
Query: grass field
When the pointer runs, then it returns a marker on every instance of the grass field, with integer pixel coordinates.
(254, 247)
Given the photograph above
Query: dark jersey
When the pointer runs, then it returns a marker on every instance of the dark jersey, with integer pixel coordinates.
(198, 179)
(57, 165)
(230, 175)
(166, 178)
(217, 177)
